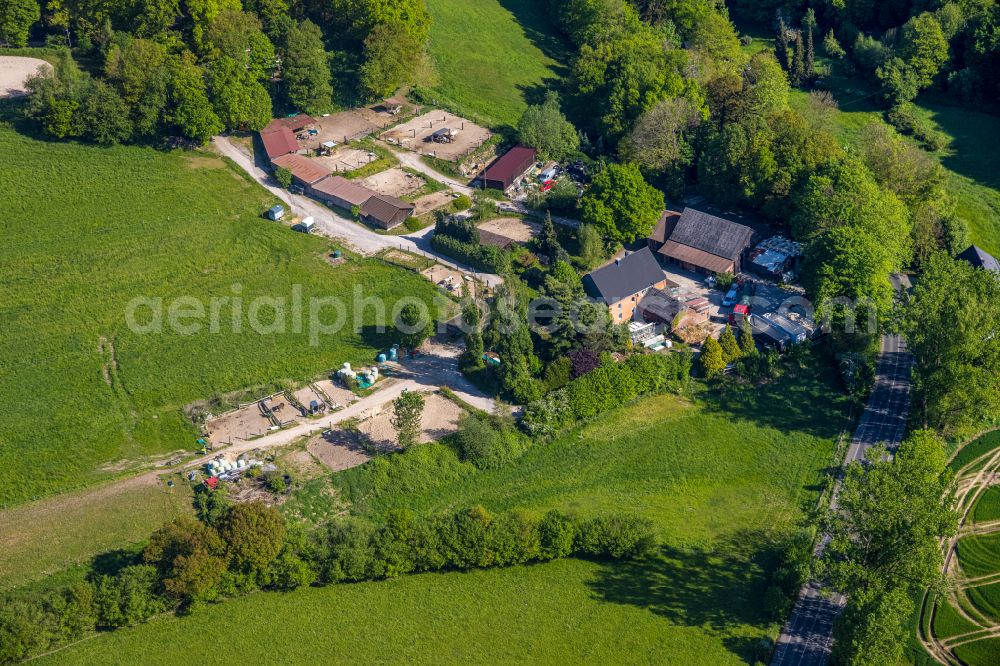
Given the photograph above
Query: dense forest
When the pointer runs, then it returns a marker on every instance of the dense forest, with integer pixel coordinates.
(146, 69)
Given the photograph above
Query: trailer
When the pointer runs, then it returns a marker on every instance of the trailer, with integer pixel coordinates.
(798, 334)
(767, 335)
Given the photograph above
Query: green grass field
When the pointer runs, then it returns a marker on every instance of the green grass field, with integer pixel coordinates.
(46, 537)
(727, 481)
(947, 621)
(974, 449)
(979, 554)
(987, 599)
(980, 653)
(987, 507)
(87, 229)
(493, 57)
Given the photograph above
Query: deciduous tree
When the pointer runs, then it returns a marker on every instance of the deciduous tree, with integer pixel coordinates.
(306, 71)
(406, 412)
(545, 128)
(621, 204)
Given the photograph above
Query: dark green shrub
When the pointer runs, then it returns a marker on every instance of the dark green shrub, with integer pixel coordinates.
(616, 536)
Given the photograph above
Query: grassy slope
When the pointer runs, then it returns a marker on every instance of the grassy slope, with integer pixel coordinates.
(724, 482)
(979, 554)
(492, 56)
(981, 653)
(86, 230)
(987, 507)
(45, 537)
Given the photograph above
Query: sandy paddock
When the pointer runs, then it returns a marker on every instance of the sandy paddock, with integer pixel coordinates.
(346, 125)
(516, 229)
(429, 202)
(242, 423)
(345, 159)
(412, 135)
(440, 418)
(15, 71)
(336, 395)
(338, 449)
(439, 275)
(307, 394)
(283, 409)
(393, 182)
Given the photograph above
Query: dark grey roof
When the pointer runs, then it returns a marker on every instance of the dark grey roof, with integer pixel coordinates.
(711, 234)
(980, 258)
(624, 277)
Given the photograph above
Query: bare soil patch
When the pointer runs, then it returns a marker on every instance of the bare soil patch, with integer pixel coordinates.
(413, 134)
(347, 126)
(429, 202)
(239, 424)
(345, 159)
(394, 182)
(336, 396)
(443, 276)
(307, 394)
(338, 449)
(440, 418)
(15, 71)
(513, 228)
(283, 409)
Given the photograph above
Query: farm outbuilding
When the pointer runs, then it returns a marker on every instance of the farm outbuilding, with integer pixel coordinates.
(509, 169)
(979, 258)
(385, 212)
(701, 242)
(305, 171)
(278, 141)
(339, 191)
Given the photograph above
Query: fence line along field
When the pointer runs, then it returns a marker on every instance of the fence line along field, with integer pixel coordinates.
(725, 479)
(87, 229)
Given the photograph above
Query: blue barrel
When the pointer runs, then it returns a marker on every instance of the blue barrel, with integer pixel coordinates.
(392, 354)
(381, 358)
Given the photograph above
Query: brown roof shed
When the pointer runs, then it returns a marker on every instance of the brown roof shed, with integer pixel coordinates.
(342, 192)
(505, 171)
(303, 169)
(278, 141)
(386, 212)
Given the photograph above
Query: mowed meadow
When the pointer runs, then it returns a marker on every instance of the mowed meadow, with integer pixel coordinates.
(87, 229)
(727, 481)
(493, 57)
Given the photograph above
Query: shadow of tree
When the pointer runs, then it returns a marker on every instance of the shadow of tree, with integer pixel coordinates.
(717, 588)
(540, 31)
(807, 401)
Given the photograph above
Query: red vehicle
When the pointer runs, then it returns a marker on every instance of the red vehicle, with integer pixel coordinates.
(547, 185)
(739, 314)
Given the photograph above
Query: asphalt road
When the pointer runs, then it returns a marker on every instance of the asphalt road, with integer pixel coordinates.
(807, 638)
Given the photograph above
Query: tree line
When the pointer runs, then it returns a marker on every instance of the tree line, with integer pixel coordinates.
(231, 550)
(189, 69)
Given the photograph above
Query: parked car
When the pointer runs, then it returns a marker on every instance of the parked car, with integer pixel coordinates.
(731, 297)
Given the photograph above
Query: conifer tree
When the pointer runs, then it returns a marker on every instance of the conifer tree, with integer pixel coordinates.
(730, 347)
(712, 359)
(781, 44)
(747, 345)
